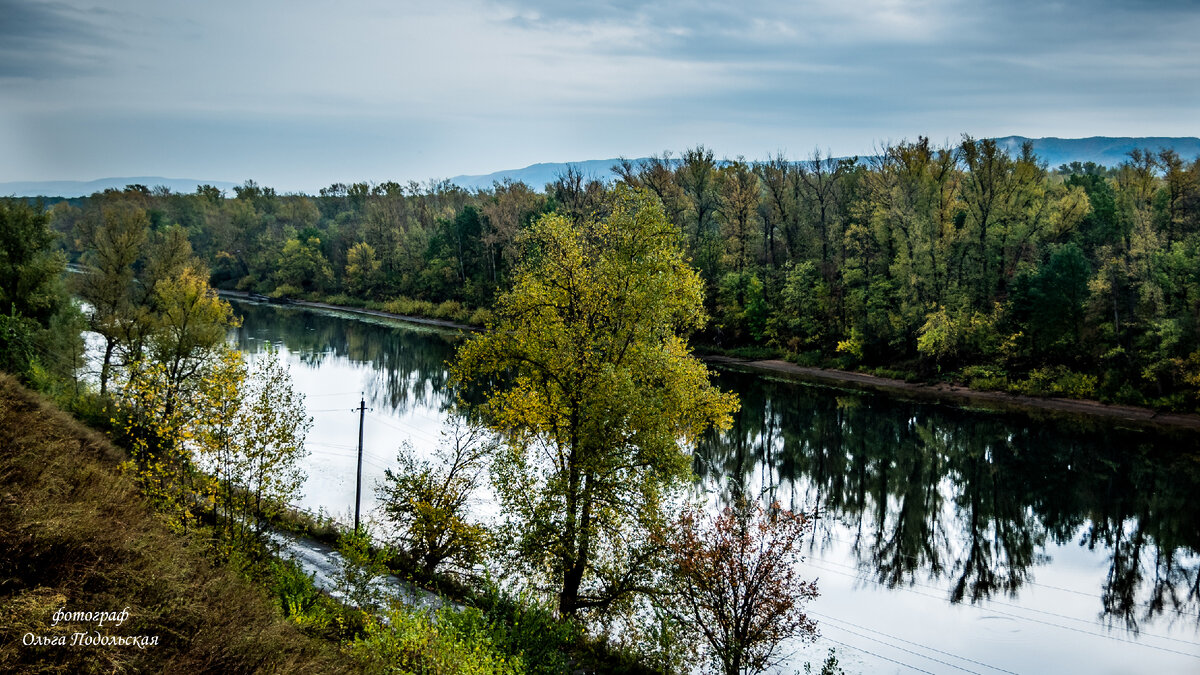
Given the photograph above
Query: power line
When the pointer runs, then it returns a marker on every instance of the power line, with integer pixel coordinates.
(1021, 607)
(909, 651)
(878, 656)
(1087, 594)
(1046, 623)
(900, 639)
(339, 446)
(411, 430)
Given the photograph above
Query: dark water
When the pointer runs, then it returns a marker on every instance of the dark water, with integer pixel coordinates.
(947, 541)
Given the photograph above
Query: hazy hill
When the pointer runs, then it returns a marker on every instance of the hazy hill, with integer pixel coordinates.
(1106, 150)
(76, 188)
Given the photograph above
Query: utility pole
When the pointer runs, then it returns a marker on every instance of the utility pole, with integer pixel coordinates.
(362, 412)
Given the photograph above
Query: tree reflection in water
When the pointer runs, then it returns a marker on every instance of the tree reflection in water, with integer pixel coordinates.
(971, 499)
(408, 363)
(925, 493)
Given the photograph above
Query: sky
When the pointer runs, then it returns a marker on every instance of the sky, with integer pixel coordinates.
(301, 94)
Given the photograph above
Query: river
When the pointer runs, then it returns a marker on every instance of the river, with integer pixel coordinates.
(948, 540)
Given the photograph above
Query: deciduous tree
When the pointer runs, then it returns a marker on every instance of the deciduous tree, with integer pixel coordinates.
(737, 582)
(595, 395)
(429, 503)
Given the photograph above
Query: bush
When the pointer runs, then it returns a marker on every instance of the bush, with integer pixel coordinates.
(311, 610)
(343, 300)
(360, 576)
(810, 359)
(286, 291)
(530, 630)
(450, 310)
(1057, 381)
(480, 317)
(427, 502)
(446, 643)
(985, 377)
(409, 307)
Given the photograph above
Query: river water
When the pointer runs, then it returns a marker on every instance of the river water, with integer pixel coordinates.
(948, 540)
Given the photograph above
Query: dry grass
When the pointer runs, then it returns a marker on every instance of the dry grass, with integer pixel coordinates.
(76, 535)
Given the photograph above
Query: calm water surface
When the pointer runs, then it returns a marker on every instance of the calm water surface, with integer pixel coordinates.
(948, 541)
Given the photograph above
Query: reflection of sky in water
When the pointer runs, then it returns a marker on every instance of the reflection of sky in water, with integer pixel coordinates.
(333, 368)
(1053, 624)
(940, 466)
(902, 488)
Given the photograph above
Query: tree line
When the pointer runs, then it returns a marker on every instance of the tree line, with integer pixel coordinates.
(587, 387)
(958, 262)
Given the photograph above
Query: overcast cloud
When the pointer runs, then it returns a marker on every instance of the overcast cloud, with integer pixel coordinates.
(301, 94)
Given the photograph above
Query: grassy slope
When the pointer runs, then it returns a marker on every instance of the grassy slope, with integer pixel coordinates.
(76, 535)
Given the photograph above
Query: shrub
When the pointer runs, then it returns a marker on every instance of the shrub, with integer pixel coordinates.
(1057, 381)
(427, 502)
(985, 377)
(450, 310)
(286, 291)
(480, 317)
(446, 643)
(530, 630)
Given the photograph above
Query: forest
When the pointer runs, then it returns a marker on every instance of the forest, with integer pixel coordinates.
(958, 263)
(586, 400)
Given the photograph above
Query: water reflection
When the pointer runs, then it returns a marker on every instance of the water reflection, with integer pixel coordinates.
(408, 363)
(970, 499)
(972, 504)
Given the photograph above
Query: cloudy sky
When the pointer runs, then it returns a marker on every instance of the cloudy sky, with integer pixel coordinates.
(304, 93)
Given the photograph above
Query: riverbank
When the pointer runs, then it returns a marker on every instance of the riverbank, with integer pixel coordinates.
(959, 395)
(79, 539)
(941, 392)
(438, 323)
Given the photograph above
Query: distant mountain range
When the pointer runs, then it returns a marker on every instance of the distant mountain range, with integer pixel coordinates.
(1105, 150)
(77, 188)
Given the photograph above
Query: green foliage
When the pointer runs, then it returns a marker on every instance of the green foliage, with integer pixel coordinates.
(523, 627)
(902, 261)
(39, 325)
(362, 270)
(308, 608)
(945, 337)
(30, 269)
(407, 307)
(985, 377)
(450, 642)
(17, 343)
(852, 346)
(1057, 381)
(598, 392)
(428, 504)
(802, 325)
(742, 305)
(480, 317)
(302, 265)
(359, 578)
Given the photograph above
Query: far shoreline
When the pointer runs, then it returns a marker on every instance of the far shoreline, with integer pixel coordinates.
(963, 396)
(945, 393)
